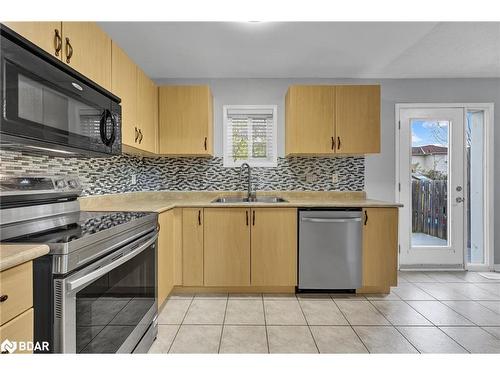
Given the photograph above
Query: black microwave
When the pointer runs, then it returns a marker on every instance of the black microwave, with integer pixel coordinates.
(49, 107)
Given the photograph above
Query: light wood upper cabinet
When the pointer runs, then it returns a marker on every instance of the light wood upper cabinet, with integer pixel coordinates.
(227, 247)
(87, 49)
(309, 120)
(185, 120)
(328, 120)
(380, 244)
(192, 246)
(46, 35)
(166, 245)
(274, 246)
(124, 85)
(147, 112)
(357, 119)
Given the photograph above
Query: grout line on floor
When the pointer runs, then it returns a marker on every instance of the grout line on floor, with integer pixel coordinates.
(308, 326)
(223, 323)
(180, 325)
(265, 323)
(350, 326)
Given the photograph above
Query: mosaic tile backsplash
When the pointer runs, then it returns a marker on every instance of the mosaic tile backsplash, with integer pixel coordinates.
(114, 175)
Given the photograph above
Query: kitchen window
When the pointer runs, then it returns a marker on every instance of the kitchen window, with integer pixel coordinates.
(250, 135)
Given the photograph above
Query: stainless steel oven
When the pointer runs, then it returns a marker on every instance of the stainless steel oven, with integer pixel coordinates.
(49, 107)
(109, 306)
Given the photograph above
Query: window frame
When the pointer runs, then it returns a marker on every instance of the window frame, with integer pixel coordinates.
(230, 162)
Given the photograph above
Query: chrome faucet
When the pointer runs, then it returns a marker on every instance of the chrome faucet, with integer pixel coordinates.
(250, 194)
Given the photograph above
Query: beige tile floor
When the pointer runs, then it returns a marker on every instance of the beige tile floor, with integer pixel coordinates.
(428, 312)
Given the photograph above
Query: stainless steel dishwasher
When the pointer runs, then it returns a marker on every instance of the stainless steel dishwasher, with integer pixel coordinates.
(330, 249)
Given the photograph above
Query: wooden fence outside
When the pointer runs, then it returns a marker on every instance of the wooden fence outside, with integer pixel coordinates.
(429, 207)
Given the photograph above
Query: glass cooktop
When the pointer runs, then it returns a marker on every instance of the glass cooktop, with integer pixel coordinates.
(84, 223)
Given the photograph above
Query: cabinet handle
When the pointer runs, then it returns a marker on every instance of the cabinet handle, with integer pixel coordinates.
(140, 136)
(246, 214)
(57, 42)
(366, 217)
(199, 217)
(333, 143)
(205, 143)
(4, 298)
(69, 50)
(338, 143)
(136, 134)
(253, 218)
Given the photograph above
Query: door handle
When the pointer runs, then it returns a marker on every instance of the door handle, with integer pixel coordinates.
(199, 217)
(205, 143)
(253, 218)
(333, 143)
(69, 50)
(140, 136)
(246, 214)
(338, 143)
(366, 217)
(136, 134)
(57, 42)
(328, 220)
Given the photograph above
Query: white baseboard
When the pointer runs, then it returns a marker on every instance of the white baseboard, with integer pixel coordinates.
(496, 267)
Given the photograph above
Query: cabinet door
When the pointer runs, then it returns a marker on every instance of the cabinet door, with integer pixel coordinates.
(46, 35)
(19, 329)
(309, 120)
(192, 246)
(166, 243)
(380, 243)
(147, 106)
(274, 246)
(87, 49)
(185, 120)
(227, 247)
(357, 119)
(124, 85)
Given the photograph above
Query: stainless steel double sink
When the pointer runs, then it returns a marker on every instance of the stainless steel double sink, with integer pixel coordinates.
(263, 199)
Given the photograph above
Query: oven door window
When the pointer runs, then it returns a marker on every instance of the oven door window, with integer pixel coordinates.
(113, 306)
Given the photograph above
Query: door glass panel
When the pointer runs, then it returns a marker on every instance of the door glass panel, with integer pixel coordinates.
(429, 182)
(109, 309)
(474, 153)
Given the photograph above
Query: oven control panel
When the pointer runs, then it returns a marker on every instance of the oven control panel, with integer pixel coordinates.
(18, 185)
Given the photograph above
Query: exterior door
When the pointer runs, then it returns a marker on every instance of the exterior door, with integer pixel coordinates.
(431, 171)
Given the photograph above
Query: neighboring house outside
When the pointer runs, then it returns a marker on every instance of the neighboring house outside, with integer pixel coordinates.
(428, 158)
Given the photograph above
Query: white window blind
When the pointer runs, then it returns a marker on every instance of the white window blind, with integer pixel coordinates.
(250, 135)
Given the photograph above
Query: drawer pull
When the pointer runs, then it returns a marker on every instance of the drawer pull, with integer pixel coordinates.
(4, 298)
(57, 42)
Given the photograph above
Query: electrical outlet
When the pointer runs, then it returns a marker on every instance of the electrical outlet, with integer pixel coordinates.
(134, 179)
(335, 178)
(311, 177)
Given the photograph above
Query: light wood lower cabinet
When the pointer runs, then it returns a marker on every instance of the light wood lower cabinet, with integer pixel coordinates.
(165, 255)
(274, 247)
(380, 249)
(227, 247)
(16, 289)
(192, 246)
(19, 329)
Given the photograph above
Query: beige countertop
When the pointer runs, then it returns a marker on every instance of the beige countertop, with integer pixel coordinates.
(13, 255)
(164, 200)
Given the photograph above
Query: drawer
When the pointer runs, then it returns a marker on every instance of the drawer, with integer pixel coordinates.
(19, 329)
(16, 291)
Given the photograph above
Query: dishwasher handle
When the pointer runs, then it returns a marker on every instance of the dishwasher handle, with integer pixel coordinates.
(331, 220)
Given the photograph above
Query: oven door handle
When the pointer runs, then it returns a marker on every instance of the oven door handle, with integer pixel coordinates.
(75, 284)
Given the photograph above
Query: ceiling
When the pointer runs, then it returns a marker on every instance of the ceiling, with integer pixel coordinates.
(311, 49)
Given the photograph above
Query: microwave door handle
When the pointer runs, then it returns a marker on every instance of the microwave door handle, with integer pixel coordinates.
(327, 220)
(108, 141)
(75, 284)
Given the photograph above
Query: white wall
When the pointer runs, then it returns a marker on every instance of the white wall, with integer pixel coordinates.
(380, 168)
